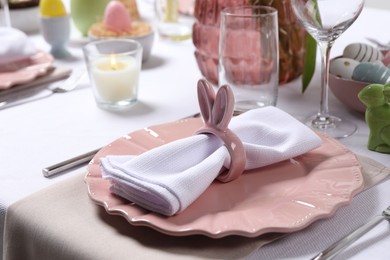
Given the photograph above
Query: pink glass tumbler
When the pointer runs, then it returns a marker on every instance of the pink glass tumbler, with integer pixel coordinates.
(249, 55)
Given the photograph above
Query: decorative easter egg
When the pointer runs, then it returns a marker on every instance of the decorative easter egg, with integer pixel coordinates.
(343, 67)
(52, 8)
(117, 17)
(372, 73)
(386, 59)
(362, 52)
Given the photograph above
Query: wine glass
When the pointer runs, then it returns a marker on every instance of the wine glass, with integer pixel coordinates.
(325, 21)
(6, 15)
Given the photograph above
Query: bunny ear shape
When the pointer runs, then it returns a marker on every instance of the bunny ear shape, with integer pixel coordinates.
(206, 99)
(217, 112)
(223, 108)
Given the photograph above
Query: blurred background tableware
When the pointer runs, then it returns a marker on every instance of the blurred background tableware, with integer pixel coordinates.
(52, 75)
(292, 37)
(114, 67)
(15, 49)
(118, 23)
(249, 55)
(5, 13)
(174, 21)
(30, 69)
(23, 15)
(361, 64)
(20, 60)
(55, 26)
(42, 87)
(86, 12)
(326, 20)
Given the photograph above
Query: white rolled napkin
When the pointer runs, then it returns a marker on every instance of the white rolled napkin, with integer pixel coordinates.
(15, 45)
(167, 179)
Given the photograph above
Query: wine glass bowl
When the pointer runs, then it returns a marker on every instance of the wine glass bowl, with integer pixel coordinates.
(325, 21)
(331, 20)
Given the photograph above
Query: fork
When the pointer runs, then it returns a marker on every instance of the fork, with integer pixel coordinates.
(70, 83)
(20, 98)
(340, 245)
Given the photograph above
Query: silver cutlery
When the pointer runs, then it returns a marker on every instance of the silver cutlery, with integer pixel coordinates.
(21, 97)
(343, 243)
(79, 160)
(68, 164)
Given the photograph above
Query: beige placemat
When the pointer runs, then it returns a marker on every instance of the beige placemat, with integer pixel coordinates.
(61, 222)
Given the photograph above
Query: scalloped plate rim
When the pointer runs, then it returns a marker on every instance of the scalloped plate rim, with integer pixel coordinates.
(219, 234)
(44, 63)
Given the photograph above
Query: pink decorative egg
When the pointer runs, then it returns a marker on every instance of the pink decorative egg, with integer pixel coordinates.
(386, 59)
(116, 17)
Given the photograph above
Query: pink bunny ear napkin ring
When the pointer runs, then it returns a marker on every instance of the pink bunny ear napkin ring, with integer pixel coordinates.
(217, 111)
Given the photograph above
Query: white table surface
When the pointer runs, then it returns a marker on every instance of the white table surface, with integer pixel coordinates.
(44, 132)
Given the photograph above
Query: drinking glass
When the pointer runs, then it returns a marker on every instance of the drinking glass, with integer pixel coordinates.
(249, 55)
(326, 20)
(173, 22)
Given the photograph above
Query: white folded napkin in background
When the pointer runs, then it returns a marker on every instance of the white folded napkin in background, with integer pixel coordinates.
(169, 178)
(15, 45)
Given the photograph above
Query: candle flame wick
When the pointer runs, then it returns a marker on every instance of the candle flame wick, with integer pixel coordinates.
(113, 62)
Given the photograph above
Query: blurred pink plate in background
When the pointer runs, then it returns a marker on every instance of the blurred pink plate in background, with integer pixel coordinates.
(284, 197)
(24, 71)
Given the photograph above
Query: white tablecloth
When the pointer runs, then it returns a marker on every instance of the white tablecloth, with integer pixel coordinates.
(47, 131)
(309, 242)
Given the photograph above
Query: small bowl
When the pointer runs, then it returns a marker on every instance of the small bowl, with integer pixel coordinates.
(346, 91)
(146, 41)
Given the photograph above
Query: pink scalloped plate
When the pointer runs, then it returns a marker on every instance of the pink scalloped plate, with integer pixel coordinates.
(26, 70)
(283, 197)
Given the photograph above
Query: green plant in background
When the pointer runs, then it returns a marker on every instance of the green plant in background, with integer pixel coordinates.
(311, 51)
(309, 61)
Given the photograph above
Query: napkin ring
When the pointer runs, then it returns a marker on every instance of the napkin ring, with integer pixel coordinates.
(217, 111)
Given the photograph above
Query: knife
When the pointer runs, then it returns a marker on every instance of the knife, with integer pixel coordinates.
(68, 164)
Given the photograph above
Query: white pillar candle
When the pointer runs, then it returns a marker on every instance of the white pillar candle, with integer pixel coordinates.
(116, 78)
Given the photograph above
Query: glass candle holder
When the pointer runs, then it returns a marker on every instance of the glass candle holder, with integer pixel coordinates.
(114, 67)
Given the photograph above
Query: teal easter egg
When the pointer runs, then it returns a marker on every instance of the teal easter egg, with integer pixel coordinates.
(371, 72)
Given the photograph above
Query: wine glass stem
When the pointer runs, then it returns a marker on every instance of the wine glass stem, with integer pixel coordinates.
(325, 48)
(7, 18)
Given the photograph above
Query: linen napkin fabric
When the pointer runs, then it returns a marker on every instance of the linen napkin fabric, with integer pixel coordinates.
(14, 46)
(167, 179)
